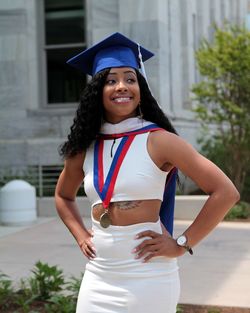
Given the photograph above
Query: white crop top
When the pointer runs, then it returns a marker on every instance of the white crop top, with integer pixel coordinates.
(139, 177)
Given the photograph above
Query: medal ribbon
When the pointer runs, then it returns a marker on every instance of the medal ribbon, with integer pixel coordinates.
(105, 189)
(151, 127)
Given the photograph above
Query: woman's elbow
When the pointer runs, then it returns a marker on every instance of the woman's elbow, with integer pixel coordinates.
(237, 195)
(234, 194)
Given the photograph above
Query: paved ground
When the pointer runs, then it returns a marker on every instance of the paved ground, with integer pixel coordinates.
(217, 274)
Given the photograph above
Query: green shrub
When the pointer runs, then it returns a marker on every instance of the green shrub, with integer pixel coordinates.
(46, 291)
(239, 211)
(24, 298)
(179, 309)
(62, 304)
(46, 281)
(222, 100)
(73, 285)
(6, 291)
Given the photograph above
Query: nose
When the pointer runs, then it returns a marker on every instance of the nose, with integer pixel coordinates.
(121, 86)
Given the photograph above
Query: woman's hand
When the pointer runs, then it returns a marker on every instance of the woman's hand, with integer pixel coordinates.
(158, 245)
(87, 246)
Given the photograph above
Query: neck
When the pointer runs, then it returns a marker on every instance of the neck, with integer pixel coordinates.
(117, 119)
(126, 125)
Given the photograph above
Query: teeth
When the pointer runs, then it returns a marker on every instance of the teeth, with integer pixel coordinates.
(121, 99)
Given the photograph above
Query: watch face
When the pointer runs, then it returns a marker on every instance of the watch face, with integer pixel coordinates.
(182, 240)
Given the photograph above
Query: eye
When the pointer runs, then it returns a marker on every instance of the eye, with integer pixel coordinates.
(131, 80)
(110, 81)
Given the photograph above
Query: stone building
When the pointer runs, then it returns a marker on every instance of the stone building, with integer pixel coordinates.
(39, 93)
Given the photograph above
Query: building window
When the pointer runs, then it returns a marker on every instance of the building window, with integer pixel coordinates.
(64, 37)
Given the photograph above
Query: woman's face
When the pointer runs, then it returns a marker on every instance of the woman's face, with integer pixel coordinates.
(121, 94)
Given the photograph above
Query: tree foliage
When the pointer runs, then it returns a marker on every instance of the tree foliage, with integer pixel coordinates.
(223, 100)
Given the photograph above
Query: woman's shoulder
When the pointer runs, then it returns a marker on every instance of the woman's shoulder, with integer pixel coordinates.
(163, 136)
(165, 142)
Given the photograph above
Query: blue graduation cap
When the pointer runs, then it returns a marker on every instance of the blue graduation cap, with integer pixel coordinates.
(114, 51)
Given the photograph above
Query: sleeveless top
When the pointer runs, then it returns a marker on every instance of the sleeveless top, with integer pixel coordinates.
(139, 177)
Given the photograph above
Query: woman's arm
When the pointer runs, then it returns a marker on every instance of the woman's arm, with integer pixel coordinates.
(222, 193)
(170, 150)
(65, 200)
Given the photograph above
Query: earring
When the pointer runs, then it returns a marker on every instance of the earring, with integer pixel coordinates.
(140, 111)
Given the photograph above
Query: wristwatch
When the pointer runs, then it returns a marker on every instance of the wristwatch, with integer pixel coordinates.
(182, 242)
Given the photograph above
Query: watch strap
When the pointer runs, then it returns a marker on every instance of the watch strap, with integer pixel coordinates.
(189, 249)
(185, 245)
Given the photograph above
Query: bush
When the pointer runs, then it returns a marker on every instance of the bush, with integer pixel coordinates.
(223, 101)
(45, 292)
(62, 304)
(6, 291)
(47, 281)
(239, 211)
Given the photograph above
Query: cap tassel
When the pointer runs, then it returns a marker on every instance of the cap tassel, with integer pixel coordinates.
(142, 64)
(143, 70)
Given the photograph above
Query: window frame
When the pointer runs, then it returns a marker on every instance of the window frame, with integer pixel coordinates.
(42, 70)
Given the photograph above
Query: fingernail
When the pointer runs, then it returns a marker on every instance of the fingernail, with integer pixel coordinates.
(137, 256)
(136, 236)
(134, 250)
(93, 255)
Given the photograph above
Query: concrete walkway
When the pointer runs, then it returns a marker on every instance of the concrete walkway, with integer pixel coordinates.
(217, 274)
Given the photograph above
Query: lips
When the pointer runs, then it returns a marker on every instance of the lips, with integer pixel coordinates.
(121, 99)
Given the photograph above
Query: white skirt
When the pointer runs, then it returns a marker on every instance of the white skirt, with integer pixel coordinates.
(116, 282)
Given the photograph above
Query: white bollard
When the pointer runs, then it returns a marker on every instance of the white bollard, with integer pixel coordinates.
(17, 203)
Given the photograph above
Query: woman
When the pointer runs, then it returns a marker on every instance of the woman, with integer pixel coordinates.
(123, 146)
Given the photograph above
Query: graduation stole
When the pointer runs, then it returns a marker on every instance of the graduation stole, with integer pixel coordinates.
(105, 188)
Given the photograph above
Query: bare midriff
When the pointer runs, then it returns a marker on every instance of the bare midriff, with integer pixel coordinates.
(124, 213)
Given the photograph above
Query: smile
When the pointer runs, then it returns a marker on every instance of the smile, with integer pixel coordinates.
(122, 99)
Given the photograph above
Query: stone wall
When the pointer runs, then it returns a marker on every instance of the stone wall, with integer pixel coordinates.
(30, 132)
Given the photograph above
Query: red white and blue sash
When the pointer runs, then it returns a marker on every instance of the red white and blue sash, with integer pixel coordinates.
(106, 187)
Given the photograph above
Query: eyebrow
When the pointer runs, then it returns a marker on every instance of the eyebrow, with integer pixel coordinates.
(114, 73)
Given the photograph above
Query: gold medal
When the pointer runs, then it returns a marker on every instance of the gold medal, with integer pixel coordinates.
(105, 219)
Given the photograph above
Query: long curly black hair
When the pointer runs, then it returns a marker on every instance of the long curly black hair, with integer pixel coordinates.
(90, 114)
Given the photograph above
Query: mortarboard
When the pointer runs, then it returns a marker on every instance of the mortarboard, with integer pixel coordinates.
(114, 51)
